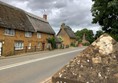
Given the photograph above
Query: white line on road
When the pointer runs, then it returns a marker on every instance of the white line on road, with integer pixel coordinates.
(35, 60)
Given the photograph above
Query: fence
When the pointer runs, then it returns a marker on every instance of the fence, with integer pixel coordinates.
(26, 49)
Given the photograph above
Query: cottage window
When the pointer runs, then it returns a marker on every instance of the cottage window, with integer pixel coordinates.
(28, 34)
(38, 35)
(19, 45)
(39, 45)
(29, 46)
(10, 32)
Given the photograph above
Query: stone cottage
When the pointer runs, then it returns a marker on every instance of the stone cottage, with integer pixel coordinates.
(67, 35)
(21, 31)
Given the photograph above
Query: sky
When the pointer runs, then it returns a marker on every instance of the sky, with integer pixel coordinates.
(74, 13)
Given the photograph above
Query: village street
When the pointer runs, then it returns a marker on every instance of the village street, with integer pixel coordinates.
(35, 67)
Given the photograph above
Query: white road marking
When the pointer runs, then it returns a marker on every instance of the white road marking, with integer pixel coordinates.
(35, 60)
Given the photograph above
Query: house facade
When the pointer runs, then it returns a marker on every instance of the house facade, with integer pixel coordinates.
(67, 35)
(21, 31)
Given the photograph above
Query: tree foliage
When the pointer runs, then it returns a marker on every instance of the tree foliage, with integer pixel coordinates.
(98, 34)
(105, 13)
(89, 35)
(52, 42)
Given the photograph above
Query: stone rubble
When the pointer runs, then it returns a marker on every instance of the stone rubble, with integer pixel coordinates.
(98, 63)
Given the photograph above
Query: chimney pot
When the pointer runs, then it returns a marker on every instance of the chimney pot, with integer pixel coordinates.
(45, 16)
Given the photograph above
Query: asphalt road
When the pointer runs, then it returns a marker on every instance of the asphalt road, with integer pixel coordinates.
(35, 67)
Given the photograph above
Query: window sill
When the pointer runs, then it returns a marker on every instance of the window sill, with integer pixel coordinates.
(9, 35)
(38, 38)
(27, 37)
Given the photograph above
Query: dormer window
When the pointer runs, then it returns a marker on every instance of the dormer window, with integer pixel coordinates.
(28, 34)
(9, 32)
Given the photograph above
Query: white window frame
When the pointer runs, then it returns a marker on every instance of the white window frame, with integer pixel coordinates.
(38, 35)
(9, 32)
(19, 45)
(28, 34)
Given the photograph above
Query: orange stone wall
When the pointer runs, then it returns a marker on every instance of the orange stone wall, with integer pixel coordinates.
(9, 41)
(66, 39)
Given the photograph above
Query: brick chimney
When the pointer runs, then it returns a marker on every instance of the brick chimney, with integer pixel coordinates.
(45, 16)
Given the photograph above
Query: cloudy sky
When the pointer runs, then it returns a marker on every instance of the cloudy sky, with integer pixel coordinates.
(75, 13)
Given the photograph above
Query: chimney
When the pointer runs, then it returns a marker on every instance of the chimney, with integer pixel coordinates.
(45, 16)
(63, 25)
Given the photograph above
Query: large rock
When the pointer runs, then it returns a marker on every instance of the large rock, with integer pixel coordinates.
(98, 63)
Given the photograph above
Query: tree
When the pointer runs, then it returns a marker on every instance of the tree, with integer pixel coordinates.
(89, 35)
(98, 34)
(105, 13)
(52, 42)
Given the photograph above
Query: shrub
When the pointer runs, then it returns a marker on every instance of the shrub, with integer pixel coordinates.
(72, 44)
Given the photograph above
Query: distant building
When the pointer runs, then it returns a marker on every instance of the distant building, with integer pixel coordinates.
(67, 35)
(21, 31)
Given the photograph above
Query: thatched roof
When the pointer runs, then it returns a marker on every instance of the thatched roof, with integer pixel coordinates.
(15, 18)
(40, 24)
(68, 30)
(11, 17)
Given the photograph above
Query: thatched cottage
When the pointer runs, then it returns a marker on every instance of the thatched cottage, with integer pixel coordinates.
(67, 35)
(21, 31)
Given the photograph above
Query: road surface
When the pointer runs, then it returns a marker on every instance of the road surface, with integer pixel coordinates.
(35, 67)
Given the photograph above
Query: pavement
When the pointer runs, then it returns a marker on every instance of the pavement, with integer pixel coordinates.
(34, 67)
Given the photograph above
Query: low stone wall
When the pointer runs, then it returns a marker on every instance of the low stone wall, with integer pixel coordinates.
(96, 64)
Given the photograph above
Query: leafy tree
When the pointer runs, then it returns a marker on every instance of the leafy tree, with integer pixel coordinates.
(105, 13)
(52, 42)
(89, 35)
(98, 34)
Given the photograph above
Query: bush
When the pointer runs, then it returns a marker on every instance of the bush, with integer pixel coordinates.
(72, 44)
(52, 42)
(86, 44)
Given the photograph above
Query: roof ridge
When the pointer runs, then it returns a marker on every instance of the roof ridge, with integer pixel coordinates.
(26, 12)
(70, 32)
(11, 6)
(35, 16)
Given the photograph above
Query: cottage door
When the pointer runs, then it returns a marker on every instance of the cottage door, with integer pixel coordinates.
(43, 46)
(0, 48)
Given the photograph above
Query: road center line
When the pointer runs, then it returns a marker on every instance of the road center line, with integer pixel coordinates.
(34, 60)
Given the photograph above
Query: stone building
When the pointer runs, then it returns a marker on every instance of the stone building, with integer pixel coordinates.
(67, 35)
(21, 31)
